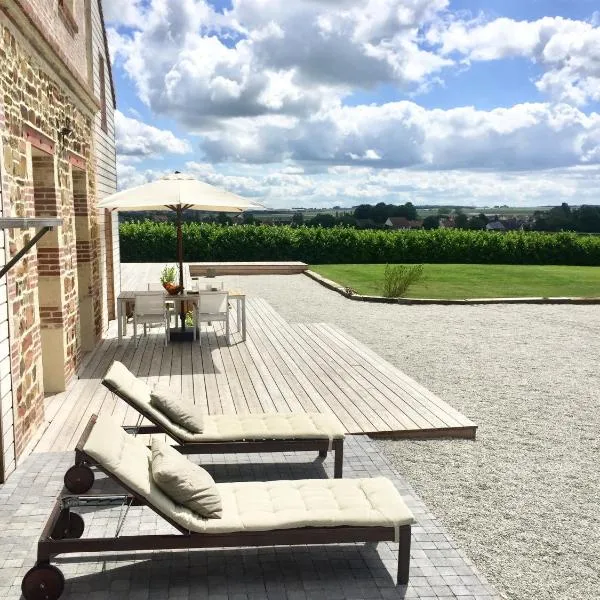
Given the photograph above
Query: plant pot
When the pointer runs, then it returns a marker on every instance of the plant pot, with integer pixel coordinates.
(172, 289)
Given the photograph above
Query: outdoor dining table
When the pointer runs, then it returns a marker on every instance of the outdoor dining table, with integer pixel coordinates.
(128, 296)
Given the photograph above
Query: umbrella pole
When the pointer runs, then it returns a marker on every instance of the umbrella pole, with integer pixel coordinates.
(180, 260)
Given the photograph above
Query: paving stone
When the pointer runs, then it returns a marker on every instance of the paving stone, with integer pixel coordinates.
(439, 570)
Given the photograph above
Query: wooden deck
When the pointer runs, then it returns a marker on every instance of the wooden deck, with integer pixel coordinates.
(281, 367)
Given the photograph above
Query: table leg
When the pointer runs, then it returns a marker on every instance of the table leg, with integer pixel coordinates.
(244, 318)
(120, 319)
(239, 314)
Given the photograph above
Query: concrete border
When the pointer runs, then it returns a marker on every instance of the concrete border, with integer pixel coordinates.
(332, 285)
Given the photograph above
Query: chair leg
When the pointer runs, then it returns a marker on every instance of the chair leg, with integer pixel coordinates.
(227, 329)
(145, 330)
(338, 465)
(404, 555)
(135, 328)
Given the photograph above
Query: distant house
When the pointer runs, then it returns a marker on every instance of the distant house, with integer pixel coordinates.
(402, 223)
(447, 223)
(495, 226)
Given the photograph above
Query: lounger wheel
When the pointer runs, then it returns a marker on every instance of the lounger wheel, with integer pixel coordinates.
(79, 479)
(69, 525)
(43, 582)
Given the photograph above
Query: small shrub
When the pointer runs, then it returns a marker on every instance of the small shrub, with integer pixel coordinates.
(398, 278)
(168, 274)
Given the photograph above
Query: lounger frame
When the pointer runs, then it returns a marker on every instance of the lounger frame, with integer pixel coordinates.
(321, 445)
(51, 545)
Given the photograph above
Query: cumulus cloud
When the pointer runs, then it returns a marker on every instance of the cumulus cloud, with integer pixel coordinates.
(404, 134)
(137, 139)
(266, 57)
(263, 84)
(567, 50)
(117, 12)
(348, 186)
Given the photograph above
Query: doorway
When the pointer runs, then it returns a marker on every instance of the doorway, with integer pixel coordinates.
(83, 241)
(50, 292)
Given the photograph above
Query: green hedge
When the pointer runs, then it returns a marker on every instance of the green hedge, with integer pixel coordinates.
(156, 242)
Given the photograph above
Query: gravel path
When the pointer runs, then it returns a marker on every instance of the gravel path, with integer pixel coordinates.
(523, 500)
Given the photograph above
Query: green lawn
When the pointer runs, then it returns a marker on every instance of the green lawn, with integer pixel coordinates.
(474, 281)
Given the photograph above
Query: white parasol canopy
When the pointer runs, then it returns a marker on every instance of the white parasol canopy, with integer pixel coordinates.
(178, 190)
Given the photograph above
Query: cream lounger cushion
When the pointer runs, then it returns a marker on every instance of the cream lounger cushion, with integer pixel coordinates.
(176, 408)
(185, 482)
(220, 428)
(253, 506)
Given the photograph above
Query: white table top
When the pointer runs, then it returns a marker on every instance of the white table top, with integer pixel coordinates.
(187, 295)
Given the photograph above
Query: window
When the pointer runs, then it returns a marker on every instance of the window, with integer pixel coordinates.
(102, 77)
(66, 9)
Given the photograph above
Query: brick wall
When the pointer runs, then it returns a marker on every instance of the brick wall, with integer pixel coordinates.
(43, 297)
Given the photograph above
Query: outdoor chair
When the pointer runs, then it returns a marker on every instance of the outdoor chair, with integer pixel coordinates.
(258, 432)
(150, 309)
(208, 284)
(170, 305)
(264, 513)
(212, 306)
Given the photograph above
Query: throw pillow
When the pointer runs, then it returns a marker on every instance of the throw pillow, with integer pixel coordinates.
(184, 482)
(178, 409)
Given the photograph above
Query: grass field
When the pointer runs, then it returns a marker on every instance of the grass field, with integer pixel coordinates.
(474, 281)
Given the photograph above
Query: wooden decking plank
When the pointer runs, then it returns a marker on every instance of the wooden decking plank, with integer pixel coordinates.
(390, 369)
(175, 382)
(262, 392)
(199, 385)
(332, 370)
(398, 400)
(430, 401)
(401, 392)
(312, 400)
(225, 397)
(208, 368)
(288, 388)
(233, 379)
(327, 378)
(277, 398)
(187, 372)
(72, 402)
(353, 420)
(369, 394)
(72, 409)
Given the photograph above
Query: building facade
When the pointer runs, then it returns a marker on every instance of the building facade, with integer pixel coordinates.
(57, 160)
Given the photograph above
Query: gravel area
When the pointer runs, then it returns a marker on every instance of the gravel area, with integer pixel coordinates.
(523, 500)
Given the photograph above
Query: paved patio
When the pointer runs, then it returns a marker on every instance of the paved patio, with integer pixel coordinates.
(439, 570)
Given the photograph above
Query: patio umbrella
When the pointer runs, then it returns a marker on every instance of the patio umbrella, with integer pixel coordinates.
(178, 192)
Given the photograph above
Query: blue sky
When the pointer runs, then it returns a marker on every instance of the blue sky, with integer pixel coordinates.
(320, 103)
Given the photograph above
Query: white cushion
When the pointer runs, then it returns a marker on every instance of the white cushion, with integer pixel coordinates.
(178, 409)
(185, 482)
(253, 506)
(268, 426)
(224, 428)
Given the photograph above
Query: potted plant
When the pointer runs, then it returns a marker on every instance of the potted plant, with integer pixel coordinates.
(168, 278)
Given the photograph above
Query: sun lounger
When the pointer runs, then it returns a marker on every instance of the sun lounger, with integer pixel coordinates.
(319, 511)
(258, 432)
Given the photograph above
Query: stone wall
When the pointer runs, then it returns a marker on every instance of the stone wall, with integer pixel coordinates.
(63, 23)
(43, 289)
